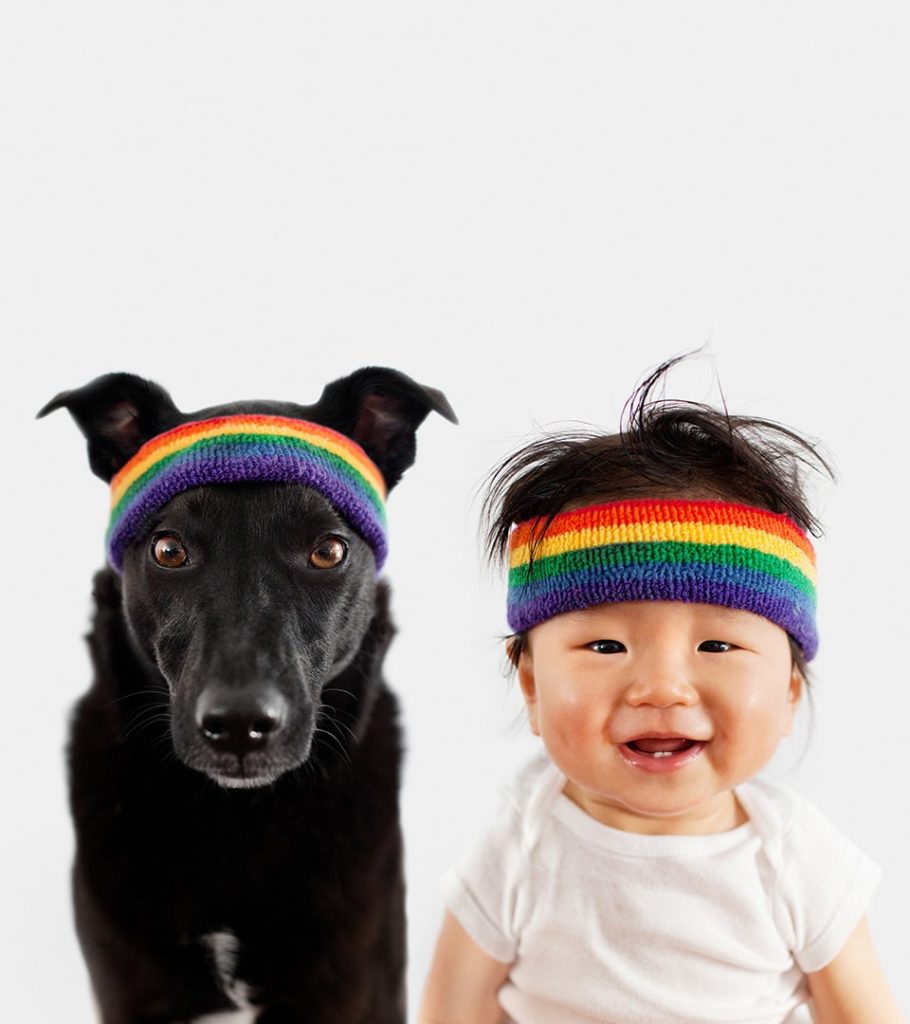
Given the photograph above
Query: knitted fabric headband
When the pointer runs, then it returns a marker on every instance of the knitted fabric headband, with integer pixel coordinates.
(230, 449)
(709, 552)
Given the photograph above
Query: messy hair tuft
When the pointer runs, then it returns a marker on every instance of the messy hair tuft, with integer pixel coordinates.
(664, 449)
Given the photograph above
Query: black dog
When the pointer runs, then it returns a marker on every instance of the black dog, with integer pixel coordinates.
(234, 768)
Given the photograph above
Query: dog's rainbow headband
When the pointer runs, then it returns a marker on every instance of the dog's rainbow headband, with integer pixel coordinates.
(245, 447)
(709, 552)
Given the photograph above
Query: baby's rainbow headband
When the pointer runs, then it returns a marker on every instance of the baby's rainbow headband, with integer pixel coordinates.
(709, 552)
(231, 449)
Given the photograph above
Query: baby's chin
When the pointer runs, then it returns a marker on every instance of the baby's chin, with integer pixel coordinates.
(660, 814)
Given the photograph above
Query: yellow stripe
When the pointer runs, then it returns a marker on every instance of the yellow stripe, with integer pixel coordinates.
(692, 533)
(134, 469)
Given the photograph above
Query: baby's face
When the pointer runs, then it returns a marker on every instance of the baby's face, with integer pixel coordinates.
(655, 710)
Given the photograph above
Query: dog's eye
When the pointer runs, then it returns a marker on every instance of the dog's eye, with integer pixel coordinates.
(168, 551)
(328, 553)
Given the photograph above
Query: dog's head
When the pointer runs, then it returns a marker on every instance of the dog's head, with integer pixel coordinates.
(248, 598)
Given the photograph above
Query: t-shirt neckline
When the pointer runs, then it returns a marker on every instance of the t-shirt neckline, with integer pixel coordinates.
(636, 844)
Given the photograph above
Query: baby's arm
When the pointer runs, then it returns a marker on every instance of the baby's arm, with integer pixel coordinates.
(463, 981)
(852, 988)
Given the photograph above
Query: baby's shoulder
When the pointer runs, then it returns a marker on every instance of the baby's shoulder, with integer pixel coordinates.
(500, 857)
(773, 809)
(527, 797)
(820, 882)
(789, 825)
(537, 777)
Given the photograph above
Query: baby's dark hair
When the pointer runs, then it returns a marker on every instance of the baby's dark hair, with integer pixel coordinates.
(664, 449)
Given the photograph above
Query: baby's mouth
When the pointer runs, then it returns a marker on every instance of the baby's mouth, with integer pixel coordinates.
(661, 753)
(661, 747)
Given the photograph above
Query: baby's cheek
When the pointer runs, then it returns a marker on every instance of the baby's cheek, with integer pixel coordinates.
(574, 717)
(763, 705)
(754, 729)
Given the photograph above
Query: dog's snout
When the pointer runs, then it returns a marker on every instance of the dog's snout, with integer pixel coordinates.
(240, 723)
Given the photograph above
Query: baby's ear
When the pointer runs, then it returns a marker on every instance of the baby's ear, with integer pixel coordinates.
(525, 667)
(794, 696)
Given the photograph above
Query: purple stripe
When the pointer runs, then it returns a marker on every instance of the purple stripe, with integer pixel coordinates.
(196, 472)
(784, 605)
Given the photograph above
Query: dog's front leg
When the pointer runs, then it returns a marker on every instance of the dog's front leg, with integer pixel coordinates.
(135, 983)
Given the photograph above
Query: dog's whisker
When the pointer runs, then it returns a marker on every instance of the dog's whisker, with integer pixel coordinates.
(147, 709)
(347, 728)
(338, 689)
(333, 737)
(332, 719)
(138, 693)
(344, 723)
(143, 719)
(139, 727)
(168, 760)
(337, 741)
(136, 728)
(348, 713)
(159, 742)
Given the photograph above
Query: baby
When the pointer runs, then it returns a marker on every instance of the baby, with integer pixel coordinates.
(662, 602)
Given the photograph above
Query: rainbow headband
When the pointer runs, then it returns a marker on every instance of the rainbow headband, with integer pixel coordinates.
(231, 449)
(709, 552)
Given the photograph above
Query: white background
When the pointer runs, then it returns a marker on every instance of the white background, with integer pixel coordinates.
(524, 204)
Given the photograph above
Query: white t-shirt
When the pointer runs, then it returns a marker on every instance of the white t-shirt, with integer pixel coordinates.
(612, 926)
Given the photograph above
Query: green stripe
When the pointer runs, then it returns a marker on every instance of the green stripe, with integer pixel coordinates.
(344, 467)
(664, 552)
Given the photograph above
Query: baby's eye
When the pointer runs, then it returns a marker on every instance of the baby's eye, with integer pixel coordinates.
(606, 647)
(715, 646)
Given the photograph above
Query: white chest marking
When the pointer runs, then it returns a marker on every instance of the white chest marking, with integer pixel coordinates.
(224, 947)
(228, 1017)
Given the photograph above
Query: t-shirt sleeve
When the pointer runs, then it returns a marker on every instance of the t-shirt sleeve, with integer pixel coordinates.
(827, 883)
(482, 891)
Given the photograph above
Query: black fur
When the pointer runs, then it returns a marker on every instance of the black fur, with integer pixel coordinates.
(304, 870)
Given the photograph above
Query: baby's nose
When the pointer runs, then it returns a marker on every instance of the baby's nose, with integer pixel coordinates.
(661, 689)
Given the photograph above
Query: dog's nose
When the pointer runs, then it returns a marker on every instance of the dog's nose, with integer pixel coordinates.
(240, 724)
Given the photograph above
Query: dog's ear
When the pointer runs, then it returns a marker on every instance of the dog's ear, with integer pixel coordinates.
(118, 413)
(381, 410)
